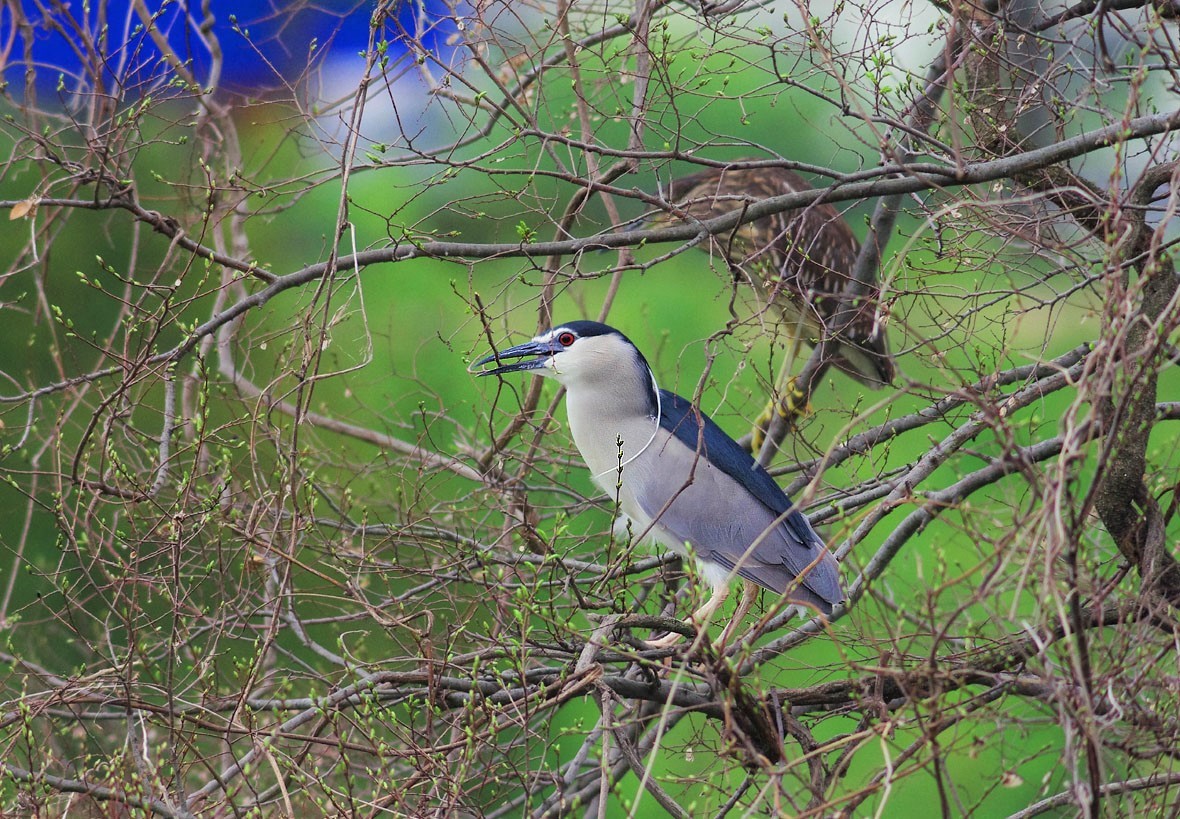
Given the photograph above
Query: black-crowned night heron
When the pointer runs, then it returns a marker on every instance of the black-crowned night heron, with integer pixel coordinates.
(799, 261)
(678, 477)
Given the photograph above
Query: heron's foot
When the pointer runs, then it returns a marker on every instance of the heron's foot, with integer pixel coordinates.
(792, 406)
(667, 641)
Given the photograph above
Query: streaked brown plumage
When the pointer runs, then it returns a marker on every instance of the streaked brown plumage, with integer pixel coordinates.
(799, 260)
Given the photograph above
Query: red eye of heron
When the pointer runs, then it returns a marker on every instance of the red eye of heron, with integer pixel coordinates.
(566, 339)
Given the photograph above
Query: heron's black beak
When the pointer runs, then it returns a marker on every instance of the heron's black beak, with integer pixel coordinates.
(542, 349)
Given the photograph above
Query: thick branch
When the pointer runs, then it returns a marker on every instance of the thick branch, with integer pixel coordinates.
(1123, 501)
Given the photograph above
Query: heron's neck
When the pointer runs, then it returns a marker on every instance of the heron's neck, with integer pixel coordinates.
(611, 420)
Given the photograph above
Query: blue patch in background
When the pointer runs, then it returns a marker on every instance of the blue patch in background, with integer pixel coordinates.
(104, 47)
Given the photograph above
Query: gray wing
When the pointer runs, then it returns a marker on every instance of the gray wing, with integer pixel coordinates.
(722, 520)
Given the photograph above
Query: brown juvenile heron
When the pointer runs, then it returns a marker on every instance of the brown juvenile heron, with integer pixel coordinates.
(799, 260)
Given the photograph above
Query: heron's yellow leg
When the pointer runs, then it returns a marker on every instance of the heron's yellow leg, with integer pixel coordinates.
(749, 595)
(792, 405)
